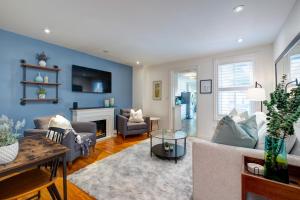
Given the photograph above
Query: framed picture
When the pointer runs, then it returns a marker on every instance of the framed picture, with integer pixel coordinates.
(156, 90)
(206, 86)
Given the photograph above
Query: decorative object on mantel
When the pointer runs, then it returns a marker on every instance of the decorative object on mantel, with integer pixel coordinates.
(41, 92)
(157, 90)
(46, 79)
(42, 59)
(39, 78)
(75, 105)
(106, 103)
(257, 94)
(283, 112)
(206, 86)
(111, 102)
(44, 83)
(9, 145)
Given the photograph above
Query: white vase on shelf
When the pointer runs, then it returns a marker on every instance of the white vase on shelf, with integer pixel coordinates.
(42, 96)
(42, 63)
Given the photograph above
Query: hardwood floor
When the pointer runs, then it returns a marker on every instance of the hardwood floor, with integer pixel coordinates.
(103, 149)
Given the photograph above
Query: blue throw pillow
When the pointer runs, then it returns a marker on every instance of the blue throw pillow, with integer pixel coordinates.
(241, 134)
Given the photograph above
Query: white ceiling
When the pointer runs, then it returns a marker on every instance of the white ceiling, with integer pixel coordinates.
(151, 31)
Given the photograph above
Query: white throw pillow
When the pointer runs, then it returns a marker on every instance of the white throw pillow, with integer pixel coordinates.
(261, 119)
(262, 132)
(238, 116)
(60, 122)
(136, 116)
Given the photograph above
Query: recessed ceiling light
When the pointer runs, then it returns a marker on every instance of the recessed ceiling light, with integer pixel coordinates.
(238, 9)
(240, 40)
(47, 31)
(137, 62)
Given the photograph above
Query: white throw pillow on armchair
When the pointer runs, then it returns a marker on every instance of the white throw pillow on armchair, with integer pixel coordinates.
(136, 116)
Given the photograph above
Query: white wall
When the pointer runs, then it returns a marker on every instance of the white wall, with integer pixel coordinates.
(138, 87)
(264, 74)
(288, 31)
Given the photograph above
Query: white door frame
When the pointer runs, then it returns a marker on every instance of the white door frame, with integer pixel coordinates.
(172, 92)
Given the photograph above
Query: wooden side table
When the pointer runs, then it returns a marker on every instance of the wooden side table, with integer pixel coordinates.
(270, 189)
(154, 120)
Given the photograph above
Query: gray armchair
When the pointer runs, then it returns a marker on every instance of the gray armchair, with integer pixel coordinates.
(84, 129)
(128, 128)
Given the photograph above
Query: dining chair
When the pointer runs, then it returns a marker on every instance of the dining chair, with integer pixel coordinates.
(33, 181)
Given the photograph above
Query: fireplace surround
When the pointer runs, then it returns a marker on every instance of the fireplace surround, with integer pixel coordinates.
(103, 117)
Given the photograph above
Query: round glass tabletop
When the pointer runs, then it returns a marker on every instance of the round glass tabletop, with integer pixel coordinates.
(168, 134)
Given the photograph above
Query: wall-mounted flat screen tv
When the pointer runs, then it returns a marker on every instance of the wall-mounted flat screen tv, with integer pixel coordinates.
(90, 80)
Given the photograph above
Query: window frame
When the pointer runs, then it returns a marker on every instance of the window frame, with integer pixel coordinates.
(231, 60)
(290, 66)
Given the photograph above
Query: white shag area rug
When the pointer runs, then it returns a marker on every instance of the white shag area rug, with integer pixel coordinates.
(133, 175)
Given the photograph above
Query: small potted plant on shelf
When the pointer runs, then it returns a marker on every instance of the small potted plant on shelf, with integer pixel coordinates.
(283, 112)
(9, 145)
(42, 59)
(41, 92)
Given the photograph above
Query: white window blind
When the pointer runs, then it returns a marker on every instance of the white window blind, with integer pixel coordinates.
(234, 80)
(295, 67)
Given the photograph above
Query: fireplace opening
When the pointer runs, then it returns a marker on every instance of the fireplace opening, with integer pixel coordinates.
(101, 128)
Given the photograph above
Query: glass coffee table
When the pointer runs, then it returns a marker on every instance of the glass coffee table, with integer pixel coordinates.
(168, 146)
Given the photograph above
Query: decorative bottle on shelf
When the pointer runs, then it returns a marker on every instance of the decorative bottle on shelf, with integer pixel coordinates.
(46, 79)
(39, 78)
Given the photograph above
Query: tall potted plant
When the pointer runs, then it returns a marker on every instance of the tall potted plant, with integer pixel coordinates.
(283, 111)
(9, 146)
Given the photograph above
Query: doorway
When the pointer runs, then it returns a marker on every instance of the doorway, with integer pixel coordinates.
(185, 101)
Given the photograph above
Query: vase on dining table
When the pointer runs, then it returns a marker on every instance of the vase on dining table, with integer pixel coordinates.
(9, 153)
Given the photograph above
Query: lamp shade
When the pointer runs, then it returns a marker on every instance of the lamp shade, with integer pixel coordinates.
(256, 94)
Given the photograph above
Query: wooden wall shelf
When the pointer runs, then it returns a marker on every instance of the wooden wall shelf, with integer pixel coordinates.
(40, 100)
(55, 68)
(26, 82)
(38, 83)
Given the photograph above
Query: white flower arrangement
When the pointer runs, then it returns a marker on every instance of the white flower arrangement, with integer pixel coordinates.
(9, 131)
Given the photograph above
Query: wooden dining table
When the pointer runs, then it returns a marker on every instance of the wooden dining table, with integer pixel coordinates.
(35, 151)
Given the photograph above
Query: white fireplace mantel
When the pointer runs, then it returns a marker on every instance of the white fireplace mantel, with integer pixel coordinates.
(95, 114)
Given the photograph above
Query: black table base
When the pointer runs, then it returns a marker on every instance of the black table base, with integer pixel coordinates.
(160, 152)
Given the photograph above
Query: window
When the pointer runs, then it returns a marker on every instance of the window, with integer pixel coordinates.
(233, 81)
(295, 67)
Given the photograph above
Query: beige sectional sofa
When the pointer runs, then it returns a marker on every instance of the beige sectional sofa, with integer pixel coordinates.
(217, 170)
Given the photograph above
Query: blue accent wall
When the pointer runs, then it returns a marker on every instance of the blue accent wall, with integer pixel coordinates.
(14, 47)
